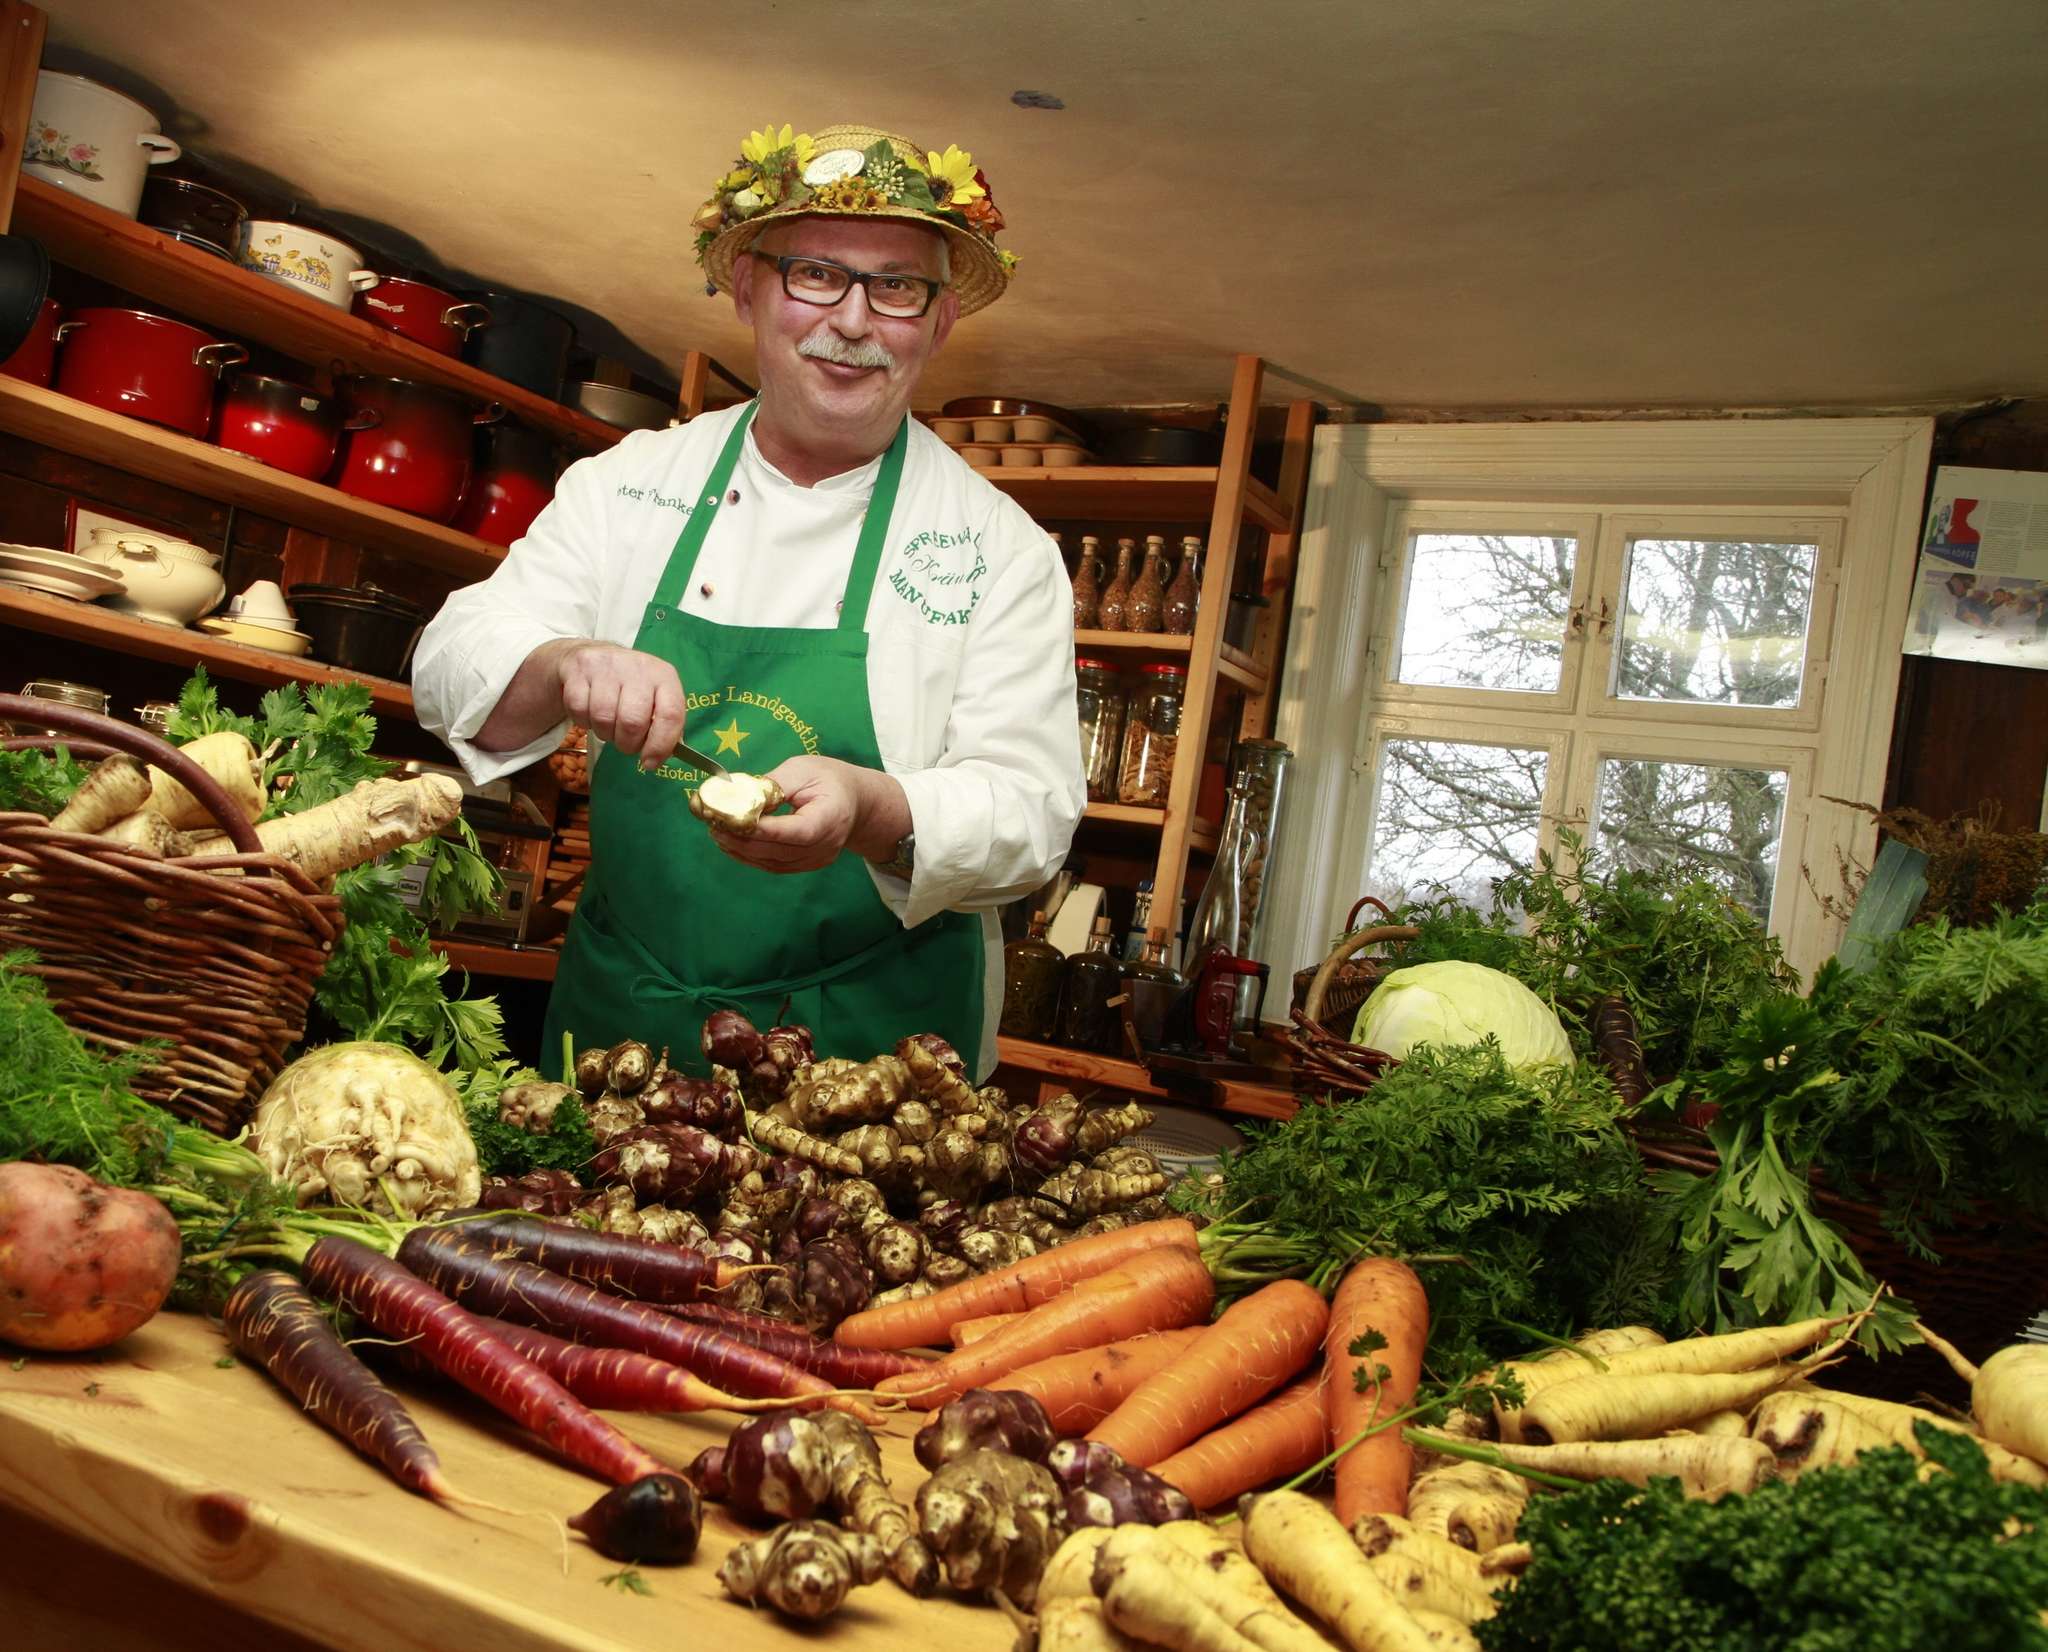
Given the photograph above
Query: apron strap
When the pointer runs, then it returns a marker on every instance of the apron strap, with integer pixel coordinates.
(682, 561)
(874, 535)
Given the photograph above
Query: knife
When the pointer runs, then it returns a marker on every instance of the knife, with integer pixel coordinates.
(710, 765)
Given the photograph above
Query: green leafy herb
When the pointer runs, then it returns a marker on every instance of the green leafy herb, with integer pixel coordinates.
(1873, 1557)
(19, 1363)
(225, 1363)
(39, 782)
(629, 1580)
(1514, 1195)
(509, 1150)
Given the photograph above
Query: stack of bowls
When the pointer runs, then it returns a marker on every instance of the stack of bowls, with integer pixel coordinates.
(260, 618)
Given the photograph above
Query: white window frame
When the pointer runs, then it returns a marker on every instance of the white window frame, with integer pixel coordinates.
(1869, 474)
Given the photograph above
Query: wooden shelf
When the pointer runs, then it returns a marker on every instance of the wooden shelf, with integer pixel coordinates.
(1132, 493)
(507, 963)
(243, 305)
(86, 622)
(144, 449)
(1085, 1068)
(1201, 836)
(1131, 642)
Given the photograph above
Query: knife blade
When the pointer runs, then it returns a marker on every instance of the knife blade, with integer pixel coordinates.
(710, 765)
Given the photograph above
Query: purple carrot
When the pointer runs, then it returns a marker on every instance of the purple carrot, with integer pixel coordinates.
(272, 1322)
(616, 1379)
(834, 1361)
(526, 1294)
(400, 1304)
(644, 1269)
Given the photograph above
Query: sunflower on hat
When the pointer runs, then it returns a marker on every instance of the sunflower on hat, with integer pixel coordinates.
(855, 171)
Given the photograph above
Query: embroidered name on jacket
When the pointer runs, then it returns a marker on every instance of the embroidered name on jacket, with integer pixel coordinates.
(931, 577)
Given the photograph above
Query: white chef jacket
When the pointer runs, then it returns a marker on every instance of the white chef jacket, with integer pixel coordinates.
(970, 627)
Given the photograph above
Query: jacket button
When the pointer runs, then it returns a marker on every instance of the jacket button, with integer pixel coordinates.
(704, 589)
(733, 498)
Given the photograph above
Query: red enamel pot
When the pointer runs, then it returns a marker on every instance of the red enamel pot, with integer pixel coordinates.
(36, 358)
(281, 423)
(407, 445)
(513, 480)
(422, 313)
(147, 366)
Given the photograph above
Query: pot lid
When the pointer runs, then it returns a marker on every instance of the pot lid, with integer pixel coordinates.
(358, 596)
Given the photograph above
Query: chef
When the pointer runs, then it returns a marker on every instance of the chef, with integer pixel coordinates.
(810, 586)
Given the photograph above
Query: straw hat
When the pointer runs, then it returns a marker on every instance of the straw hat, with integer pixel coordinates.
(855, 172)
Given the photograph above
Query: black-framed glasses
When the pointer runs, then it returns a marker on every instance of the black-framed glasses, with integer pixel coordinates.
(890, 292)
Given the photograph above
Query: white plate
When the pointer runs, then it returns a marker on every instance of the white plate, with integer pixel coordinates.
(272, 639)
(57, 573)
(1185, 1140)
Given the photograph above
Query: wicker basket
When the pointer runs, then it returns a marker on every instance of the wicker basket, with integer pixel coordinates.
(1323, 1062)
(1349, 983)
(215, 955)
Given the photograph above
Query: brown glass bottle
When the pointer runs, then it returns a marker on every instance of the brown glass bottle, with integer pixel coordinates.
(1117, 595)
(1177, 612)
(1088, 1020)
(1148, 590)
(1151, 984)
(1087, 583)
(1031, 985)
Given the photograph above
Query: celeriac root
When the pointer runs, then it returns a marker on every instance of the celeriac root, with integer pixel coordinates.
(116, 788)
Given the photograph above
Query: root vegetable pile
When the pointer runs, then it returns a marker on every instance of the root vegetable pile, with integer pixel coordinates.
(850, 1184)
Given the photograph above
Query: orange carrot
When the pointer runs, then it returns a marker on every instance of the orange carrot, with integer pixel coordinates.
(1161, 1290)
(1256, 1346)
(1381, 1295)
(1079, 1390)
(973, 1330)
(1017, 1288)
(1269, 1442)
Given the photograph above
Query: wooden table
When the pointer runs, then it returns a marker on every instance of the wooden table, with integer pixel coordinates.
(213, 1479)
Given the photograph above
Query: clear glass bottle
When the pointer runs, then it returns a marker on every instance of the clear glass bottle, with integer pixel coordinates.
(1262, 770)
(1177, 611)
(1151, 734)
(1032, 968)
(1087, 583)
(1148, 590)
(1218, 912)
(1117, 594)
(1099, 693)
(1088, 1020)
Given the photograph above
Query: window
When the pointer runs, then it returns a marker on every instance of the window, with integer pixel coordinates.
(1675, 640)
(1612, 642)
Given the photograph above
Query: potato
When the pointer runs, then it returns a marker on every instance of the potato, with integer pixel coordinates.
(81, 1264)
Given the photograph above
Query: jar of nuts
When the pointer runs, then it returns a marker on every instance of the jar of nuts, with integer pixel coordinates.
(1262, 771)
(1151, 732)
(569, 762)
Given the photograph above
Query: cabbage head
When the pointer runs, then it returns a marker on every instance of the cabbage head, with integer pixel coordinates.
(1451, 1003)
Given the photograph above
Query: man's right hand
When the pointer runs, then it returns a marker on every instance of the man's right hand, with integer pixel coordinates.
(627, 699)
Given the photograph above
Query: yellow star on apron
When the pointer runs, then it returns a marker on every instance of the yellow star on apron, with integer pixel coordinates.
(730, 736)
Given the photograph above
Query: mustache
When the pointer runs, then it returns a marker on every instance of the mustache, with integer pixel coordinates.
(826, 345)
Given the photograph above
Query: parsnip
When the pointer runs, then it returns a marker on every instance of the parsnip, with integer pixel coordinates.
(372, 820)
(1633, 1407)
(1705, 1465)
(1301, 1546)
(1182, 1573)
(146, 829)
(1808, 1431)
(1071, 1571)
(1215, 1551)
(2008, 1393)
(1603, 1345)
(1432, 1573)
(1076, 1623)
(1895, 1422)
(1472, 1504)
(1446, 1634)
(116, 788)
(230, 759)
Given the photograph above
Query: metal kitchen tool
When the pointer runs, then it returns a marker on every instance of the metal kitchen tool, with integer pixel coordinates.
(710, 765)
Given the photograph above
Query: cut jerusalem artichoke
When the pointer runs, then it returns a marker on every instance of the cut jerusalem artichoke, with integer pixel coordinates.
(735, 803)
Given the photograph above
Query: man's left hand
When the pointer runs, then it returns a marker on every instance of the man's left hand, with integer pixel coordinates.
(833, 807)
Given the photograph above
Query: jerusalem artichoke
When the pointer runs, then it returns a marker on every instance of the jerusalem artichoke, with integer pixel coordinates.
(804, 1569)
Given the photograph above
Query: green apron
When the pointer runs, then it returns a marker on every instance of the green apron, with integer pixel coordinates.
(670, 928)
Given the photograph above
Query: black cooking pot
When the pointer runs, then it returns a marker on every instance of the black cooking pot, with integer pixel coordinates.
(359, 628)
(24, 284)
(526, 344)
(194, 214)
(1160, 445)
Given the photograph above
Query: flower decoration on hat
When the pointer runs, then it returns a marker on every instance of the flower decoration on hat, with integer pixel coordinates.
(847, 171)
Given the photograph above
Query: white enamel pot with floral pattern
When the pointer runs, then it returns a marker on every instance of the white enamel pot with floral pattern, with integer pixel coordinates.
(93, 141)
(306, 260)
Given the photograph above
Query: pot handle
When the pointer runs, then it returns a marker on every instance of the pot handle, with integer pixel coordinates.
(466, 318)
(162, 150)
(363, 280)
(489, 413)
(220, 357)
(66, 328)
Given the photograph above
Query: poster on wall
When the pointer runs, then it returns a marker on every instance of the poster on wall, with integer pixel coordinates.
(1980, 591)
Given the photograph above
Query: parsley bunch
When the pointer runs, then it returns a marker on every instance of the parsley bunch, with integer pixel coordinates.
(1513, 1194)
(1870, 1558)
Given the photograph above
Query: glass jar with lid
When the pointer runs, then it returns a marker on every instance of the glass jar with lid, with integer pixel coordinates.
(81, 696)
(1099, 693)
(1151, 734)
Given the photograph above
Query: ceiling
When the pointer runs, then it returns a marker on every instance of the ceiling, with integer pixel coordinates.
(1453, 204)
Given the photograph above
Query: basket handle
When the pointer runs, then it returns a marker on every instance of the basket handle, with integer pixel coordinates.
(1312, 1006)
(1359, 905)
(137, 742)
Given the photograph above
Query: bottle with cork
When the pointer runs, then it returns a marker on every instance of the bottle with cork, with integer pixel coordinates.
(1087, 1019)
(1177, 611)
(1117, 595)
(1032, 968)
(1148, 590)
(1087, 583)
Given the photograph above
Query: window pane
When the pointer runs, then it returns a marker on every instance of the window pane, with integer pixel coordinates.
(1485, 611)
(1452, 813)
(1714, 621)
(1723, 822)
